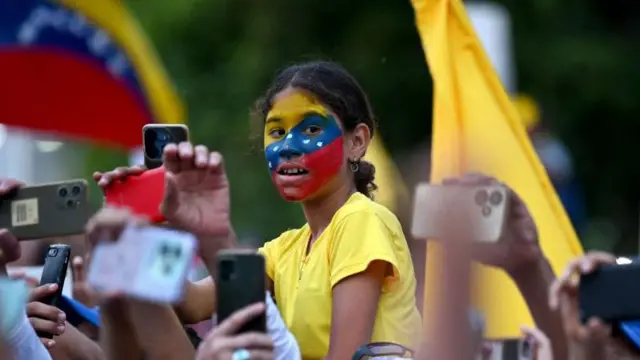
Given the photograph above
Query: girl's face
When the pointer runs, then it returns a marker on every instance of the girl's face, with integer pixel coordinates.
(303, 144)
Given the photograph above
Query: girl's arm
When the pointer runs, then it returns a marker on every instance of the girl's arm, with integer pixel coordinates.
(355, 305)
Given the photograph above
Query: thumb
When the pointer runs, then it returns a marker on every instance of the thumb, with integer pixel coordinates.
(42, 291)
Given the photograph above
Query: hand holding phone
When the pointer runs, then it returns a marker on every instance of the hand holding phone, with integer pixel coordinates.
(483, 209)
(146, 263)
(610, 293)
(54, 272)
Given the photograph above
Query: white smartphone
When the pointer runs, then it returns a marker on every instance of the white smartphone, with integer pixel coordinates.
(483, 207)
(147, 263)
(13, 298)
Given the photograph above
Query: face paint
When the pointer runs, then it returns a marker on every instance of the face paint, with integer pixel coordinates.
(303, 145)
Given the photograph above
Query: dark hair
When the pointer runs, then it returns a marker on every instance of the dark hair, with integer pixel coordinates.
(336, 88)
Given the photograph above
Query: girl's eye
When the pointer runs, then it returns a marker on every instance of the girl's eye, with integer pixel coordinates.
(276, 133)
(312, 130)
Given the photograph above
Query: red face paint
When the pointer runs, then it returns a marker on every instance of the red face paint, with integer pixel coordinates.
(322, 165)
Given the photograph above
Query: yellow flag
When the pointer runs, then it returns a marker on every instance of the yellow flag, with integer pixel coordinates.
(391, 188)
(476, 128)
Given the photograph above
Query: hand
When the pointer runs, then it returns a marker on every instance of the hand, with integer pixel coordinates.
(518, 247)
(9, 245)
(541, 346)
(196, 190)
(563, 295)
(45, 318)
(82, 291)
(220, 343)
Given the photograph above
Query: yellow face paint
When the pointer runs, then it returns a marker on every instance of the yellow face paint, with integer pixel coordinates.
(289, 109)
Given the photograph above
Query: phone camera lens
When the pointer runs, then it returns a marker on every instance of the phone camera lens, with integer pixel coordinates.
(75, 190)
(63, 192)
(227, 269)
(495, 198)
(53, 252)
(481, 197)
(526, 349)
(71, 203)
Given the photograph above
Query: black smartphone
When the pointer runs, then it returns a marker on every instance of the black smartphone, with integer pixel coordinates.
(55, 272)
(240, 282)
(611, 293)
(514, 349)
(156, 136)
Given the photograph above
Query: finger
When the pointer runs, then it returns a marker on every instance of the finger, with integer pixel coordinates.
(593, 260)
(474, 178)
(42, 291)
(570, 314)
(170, 158)
(186, 153)
(10, 249)
(97, 175)
(250, 341)
(45, 312)
(561, 283)
(78, 270)
(233, 323)
(216, 163)
(535, 334)
(450, 181)
(201, 156)
(598, 329)
(9, 185)
(46, 326)
(108, 224)
(48, 343)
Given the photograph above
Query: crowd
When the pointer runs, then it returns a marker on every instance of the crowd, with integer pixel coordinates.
(342, 284)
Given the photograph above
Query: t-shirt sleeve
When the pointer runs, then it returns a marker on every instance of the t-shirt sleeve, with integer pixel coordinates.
(270, 252)
(358, 240)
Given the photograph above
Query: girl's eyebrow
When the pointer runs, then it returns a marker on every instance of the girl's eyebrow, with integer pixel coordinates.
(272, 120)
(313, 114)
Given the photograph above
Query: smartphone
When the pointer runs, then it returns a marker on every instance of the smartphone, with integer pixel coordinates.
(48, 210)
(147, 263)
(240, 282)
(142, 194)
(484, 207)
(611, 293)
(54, 271)
(156, 136)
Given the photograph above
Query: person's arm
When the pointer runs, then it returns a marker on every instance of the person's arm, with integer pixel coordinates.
(73, 345)
(199, 302)
(534, 284)
(159, 332)
(355, 305)
(24, 344)
(117, 338)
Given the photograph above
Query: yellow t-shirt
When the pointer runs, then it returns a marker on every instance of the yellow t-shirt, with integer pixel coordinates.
(360, 232)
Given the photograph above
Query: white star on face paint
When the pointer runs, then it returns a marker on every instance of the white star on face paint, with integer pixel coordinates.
(319, 143)
(270, 164)
(289, 136)
(306, 141)
(275, 148)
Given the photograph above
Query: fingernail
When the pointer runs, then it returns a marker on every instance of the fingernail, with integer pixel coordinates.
(60, 329)
(53, 287)
(62, 317)
(50, 343)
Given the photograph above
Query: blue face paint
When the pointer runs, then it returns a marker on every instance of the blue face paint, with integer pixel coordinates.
(313, 133)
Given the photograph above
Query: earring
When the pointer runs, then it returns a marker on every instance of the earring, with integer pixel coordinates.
(354, 166)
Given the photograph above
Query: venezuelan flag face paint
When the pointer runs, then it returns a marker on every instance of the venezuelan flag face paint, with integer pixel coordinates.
(303, 145)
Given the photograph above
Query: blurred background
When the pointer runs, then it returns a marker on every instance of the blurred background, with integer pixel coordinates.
(576, 61)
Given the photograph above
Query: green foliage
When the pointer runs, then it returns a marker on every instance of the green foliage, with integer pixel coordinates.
(576, 57)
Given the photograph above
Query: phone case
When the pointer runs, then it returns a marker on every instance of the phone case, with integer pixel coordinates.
(153, 147)
(240, 281)
(55, 272)
(141, 194)
(611, 293)
(484, 207)
(47, 210)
